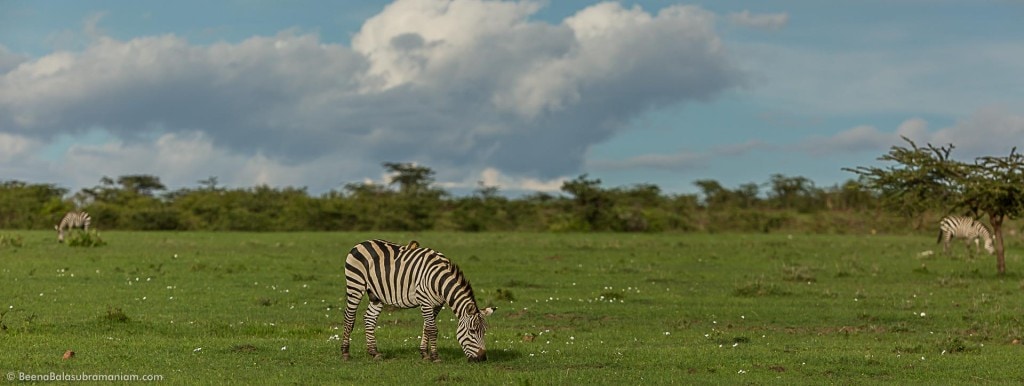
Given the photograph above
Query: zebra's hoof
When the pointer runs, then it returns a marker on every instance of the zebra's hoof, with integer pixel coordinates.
(345, 357)
(378, 357)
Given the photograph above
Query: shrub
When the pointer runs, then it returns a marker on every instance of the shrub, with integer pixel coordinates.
(85, 239)
(10, 241)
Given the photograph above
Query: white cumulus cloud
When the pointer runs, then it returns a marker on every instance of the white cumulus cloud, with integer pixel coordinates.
(457, 85)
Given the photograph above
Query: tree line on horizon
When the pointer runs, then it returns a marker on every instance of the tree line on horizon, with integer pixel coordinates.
(920, 185)
(411, 202)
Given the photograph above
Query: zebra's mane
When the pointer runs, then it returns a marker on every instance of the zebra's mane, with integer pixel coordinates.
(454, 268)
(460, 276)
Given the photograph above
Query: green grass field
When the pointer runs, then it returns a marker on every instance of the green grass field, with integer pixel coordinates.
(259, 308)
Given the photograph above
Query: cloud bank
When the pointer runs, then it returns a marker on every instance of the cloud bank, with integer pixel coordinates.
(474, 89)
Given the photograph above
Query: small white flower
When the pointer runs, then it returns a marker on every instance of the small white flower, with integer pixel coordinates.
(667, 333)
(198, 349)
(284, 348)
(922, 314)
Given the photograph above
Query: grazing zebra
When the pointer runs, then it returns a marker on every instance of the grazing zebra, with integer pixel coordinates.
(405, 277)
(72, 220)
(966, 228)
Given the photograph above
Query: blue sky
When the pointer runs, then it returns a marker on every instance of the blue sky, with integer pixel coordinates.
(521, 95)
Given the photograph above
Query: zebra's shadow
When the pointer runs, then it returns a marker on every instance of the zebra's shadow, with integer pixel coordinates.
(447, 354)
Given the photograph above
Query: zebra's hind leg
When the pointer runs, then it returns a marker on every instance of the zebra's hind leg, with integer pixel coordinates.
(428, 344)
(352, 304)
(370, 318)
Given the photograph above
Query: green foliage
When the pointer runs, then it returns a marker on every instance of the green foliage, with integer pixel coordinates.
(30, 206)
(410, 201)
(11, 241)
(76, 238)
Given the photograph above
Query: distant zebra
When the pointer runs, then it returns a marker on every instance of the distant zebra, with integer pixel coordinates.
(966, 228)
(404, 277)
(72, 220)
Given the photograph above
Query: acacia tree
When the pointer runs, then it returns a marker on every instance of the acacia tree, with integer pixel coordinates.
(926, 178)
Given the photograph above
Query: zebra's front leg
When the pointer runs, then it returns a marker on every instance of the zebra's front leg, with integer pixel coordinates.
(428, 344)
(370, 318)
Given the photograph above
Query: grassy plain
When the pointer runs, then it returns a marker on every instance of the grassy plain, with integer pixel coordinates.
(263, 308)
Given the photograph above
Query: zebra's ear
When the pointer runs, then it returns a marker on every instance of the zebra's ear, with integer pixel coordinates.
(487, 311)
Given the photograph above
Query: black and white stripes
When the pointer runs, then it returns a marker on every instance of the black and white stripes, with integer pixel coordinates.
(408, 276)
(966, 228)
(72, 220)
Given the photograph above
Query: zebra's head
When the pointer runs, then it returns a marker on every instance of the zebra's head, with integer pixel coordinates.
(988, 246)
(471, 334)
(60, 233)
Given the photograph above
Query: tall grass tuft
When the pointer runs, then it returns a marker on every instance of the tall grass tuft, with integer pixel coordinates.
(115, 315)
(10, 241)
(85, 239)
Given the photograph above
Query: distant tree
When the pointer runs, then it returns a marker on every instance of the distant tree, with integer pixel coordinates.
(141, 184)
(715, 195)
(209, 183)
(411, 178)
(747, 195)
(639, 208)
(796, 193)
(24, 205)
(927, 177)
(591, 201)
(483, 210)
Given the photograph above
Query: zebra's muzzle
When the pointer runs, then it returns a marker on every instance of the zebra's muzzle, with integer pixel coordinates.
(480, 357)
